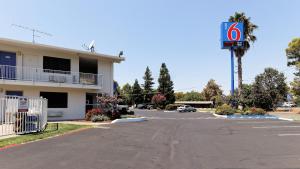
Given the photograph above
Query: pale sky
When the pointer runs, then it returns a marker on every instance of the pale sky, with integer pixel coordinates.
(182, 33)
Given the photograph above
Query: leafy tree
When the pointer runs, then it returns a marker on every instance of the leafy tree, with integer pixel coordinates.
(246, 98)
(269, 89)
(117, 90)
(148, 85)
(193, 96)
(249, 28)
(296, 87)
(158, 100)
(126, 93)
(211, 91)
(293, 54)
(165, 86)
(137, 93)
(179, 96)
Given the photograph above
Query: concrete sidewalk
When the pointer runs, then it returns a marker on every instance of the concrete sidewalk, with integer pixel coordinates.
(82, 123)
(287, 115)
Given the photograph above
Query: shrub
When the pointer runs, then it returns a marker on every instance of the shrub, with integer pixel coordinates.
(97, 118)
(172, 106)
(158, 100)
(130, 113)
(225, 109)
(113, 115)
(255, 111)
(93, 112)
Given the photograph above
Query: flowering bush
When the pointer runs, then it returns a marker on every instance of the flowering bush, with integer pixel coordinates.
(158, 100)
(110, 106)
(93, 112)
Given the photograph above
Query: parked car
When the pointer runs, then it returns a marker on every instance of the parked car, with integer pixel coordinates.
(186, 108)
(288, 104)
(123, 108)
(141, 106)
(150, 107)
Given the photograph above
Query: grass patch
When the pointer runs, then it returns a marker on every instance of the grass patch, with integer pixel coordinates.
(50, 131)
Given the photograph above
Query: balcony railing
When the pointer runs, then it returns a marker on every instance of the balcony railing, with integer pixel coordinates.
(47, 75)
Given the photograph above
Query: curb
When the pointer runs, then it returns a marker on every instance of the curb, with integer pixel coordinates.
(285, 119)
(220, 116)
(140, 119)
(170, 111)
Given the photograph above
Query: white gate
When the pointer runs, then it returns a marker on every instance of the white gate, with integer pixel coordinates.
(17, 117)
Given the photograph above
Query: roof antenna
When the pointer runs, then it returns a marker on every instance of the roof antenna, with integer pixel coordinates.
(34, 31)
(91, 46)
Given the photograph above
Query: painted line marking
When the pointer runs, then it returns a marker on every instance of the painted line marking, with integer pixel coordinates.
(101, 127)
(266, 127)
(260, 122)
(189, 118)
(291, 134)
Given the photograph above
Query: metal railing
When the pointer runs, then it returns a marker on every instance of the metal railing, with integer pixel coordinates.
(47, 75)
(17, 120)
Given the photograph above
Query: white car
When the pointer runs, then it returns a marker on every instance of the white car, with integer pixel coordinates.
(186, 108)
(288, 104)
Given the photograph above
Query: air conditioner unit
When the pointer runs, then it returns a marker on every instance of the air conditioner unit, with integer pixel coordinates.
(57, 79)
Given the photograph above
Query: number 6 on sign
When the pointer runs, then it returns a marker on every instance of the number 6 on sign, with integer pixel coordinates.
(232, 29)
(232, 34)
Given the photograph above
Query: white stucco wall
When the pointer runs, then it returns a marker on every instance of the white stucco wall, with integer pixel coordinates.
(76, 99)
(34, 58)
(106, 68)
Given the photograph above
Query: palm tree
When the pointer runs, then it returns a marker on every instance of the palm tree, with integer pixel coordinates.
(248, 37)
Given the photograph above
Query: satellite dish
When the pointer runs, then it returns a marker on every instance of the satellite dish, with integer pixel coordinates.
(92, 46)
(121, 53)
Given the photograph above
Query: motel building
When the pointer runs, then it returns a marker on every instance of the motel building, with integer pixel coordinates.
(70, 79)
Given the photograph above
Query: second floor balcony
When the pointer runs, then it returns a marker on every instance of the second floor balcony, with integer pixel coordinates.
(51, 77)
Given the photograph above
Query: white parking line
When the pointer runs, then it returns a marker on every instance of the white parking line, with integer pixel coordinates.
(182, 118)
(260, 122)
(291, 134)
(269, 127)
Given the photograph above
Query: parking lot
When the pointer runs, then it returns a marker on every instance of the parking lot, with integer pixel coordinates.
(167, 140)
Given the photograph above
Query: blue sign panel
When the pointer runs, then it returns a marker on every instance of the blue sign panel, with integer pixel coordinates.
(232, 34)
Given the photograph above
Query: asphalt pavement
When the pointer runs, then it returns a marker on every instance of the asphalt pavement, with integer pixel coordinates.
(168, 140)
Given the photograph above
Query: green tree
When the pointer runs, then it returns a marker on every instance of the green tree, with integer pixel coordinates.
(137, 93)
(117, 90)
(148, 85)
(249, 37)
(179, 96)
(246, 98)
(269, 89)
(193, 96)
(126, 93)
(293, 54)
(165, 86)
(211, 91)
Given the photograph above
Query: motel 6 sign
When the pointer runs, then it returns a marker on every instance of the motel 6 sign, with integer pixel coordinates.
(232, 35)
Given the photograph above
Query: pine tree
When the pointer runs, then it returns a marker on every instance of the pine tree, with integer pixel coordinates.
(148, 85)
(166, 84)
(137, 93)
(126, 93)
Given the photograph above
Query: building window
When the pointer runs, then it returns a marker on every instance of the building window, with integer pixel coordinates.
(56, 99)
(56, 65)
(14, 93)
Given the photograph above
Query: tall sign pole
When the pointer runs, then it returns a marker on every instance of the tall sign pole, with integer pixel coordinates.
(232, 71)
(232, 37)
